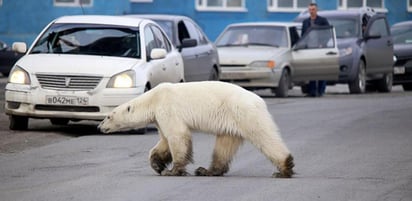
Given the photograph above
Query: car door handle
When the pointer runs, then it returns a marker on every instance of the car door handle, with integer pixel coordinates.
(389, 43)
(331, 53)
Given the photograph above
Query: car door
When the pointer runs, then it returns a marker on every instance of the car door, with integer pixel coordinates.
(315, 55)
(203, 53)
(161, 70)
(378, 46)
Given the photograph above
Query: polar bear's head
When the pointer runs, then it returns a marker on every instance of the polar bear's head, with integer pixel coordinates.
(125, 117)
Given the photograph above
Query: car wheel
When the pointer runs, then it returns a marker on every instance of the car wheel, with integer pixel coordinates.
(214, 75)
(385, 84)
(305, 88)
(59, 121)
(407, 87)
(283, 87)
(18, 122)
(358, 85)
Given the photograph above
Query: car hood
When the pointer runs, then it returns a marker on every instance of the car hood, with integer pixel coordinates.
(403, 50)
(76, 64)
(247, 54)
(346, 42)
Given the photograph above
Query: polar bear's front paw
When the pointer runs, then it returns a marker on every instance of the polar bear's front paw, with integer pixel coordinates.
(167, 172)
(201, 171)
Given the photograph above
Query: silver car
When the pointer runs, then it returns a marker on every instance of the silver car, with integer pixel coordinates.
(200, 58)
(272, 55)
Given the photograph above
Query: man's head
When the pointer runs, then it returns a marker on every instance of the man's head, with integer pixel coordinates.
(313, 10)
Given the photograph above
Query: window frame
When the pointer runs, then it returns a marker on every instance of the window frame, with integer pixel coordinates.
(201, 5)
(275, 8)
(409, 5)
(344, 6)
(75, 3)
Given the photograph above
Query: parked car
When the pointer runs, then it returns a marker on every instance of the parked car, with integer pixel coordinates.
(7, 58)
(200, 58)
(402, 38)
(81, 67)
(271, 55)
(365, 48)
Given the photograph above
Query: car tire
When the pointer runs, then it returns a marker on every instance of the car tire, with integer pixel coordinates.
(214, 75)
(284, 83)
(59, 121)
(407, 86)
(358, 85)
(385, 84)
(18, 122)
(304, 88)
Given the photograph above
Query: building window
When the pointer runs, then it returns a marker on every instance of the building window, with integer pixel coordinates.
(220, 5)
(73, 3)
(410, 5)
(376, 4)
(288, 5)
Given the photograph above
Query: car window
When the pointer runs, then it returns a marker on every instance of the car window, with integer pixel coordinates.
(89, 40)
(317, 38)
(254, 35)
(345, 28)
(149, 39)
(294, 35)
(160, 38)
(167, 26)
(379, 27)
(195, 33)
(402, 34)
(182, 31)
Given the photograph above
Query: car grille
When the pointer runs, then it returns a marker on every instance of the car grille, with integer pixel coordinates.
(67, 108)
(70, 82)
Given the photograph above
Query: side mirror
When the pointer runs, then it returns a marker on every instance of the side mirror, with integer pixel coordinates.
(188, 42)
(158, 53)
(3, 46)
(19, 47)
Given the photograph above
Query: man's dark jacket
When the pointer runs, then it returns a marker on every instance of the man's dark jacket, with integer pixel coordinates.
(319, 20)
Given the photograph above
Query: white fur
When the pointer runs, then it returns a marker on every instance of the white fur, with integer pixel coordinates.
(213, 107)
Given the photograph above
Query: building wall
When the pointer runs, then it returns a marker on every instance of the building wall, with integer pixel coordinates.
(22, 20)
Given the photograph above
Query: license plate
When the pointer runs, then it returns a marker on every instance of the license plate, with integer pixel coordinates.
(67, 100)
(399, 70)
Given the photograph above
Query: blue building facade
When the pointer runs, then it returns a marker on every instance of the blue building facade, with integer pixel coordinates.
(22, 20)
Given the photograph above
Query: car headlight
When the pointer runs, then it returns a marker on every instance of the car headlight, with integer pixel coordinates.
(395, 59)
(19, 76)
(345, 51)
(268, 64)
(123, 80)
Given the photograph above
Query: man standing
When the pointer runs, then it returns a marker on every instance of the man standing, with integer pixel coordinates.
(316, 87)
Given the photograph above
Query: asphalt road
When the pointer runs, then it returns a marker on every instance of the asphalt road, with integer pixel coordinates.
(346, 148)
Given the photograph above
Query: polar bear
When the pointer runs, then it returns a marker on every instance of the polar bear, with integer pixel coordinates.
(223, 109)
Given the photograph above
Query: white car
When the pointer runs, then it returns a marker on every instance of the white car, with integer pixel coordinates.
(81, 67)
(259, 55)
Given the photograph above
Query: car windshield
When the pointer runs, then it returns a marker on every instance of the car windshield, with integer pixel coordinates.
(402, 34)
(254, 35)
(345, 28)
(88, 39)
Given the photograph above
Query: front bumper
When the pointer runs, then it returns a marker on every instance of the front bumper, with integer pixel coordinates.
(249, 77)
(29, 101)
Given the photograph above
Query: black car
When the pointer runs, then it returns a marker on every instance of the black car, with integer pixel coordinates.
(200, 58)
(7, 58)
(402, 37)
